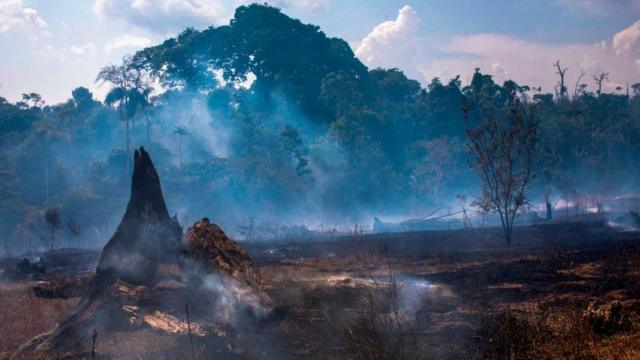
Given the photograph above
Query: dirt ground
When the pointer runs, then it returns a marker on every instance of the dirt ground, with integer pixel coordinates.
(563, 291)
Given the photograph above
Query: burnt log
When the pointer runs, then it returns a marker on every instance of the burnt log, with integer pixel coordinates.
(63, 288)
(208, 244)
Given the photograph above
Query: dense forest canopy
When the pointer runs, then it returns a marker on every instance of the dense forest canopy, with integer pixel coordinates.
(267, 119)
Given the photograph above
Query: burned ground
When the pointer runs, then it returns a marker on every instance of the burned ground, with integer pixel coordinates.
(561, 291)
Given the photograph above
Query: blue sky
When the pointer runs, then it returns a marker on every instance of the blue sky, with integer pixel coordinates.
(53, 46)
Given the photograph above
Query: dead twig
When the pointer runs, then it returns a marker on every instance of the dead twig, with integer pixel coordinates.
(193, 353)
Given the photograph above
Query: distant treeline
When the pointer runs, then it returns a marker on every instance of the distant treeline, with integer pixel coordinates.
(267, 118)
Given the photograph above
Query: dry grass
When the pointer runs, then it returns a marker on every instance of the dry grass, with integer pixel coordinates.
(553, 334)
(381, 330)
(341, 302)
(23, 315)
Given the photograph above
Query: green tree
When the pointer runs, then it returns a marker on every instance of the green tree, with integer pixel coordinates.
(129, 93)
(83, 100)
(291, 142)
(34, 99)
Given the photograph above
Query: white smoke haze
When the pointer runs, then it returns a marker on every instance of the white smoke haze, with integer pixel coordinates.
(231, 302)
(413, 291)
(232, 299)
(211, 133)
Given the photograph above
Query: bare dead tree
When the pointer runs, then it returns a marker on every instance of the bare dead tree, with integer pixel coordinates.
(94, 338)
(462, 202)
(193, 354)
(503, 143)
(547, 204)
(576, 88)
(562, 92)
(600, 79)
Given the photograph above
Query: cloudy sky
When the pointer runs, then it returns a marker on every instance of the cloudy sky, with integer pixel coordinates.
(53, 46)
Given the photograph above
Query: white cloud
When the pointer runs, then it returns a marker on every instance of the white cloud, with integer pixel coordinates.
(127, 41)
(49, 51)
(390, 41)
(162, 16)
(14, 15)
(86, 49)
(396, 43)
(628, 40)
(309, 6)
(304, 5)
(626, 43)
(499, 71)
(531, 62)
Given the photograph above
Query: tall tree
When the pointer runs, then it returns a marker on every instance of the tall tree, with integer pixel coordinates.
(54, 222)
(503, 143)
(180, 131)
(600, 79)
(34, 99)
(83, 99)
(576, 89)
(562, 88)
(291, 142)
(129, 90)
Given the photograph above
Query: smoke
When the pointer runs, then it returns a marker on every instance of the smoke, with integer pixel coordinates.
(412, 293)
(235, 164)
(230, 302)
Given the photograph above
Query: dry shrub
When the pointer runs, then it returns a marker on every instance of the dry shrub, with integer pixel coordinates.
(551, 249)
(381, 330)
(512, 335)
(572, 333)
(621, 270)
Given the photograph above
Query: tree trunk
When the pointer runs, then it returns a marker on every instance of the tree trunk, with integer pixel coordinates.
(148, 130)
(180, 149)
(506, 226)
(128, 145)
(549, 211)
(72, 149)
(507, 234)
(46, 177)
(124, 118)
(7, 250)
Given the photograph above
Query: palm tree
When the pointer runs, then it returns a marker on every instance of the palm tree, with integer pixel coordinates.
(117, 98)
(180, 131)
(129, 93)
(145, 105)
